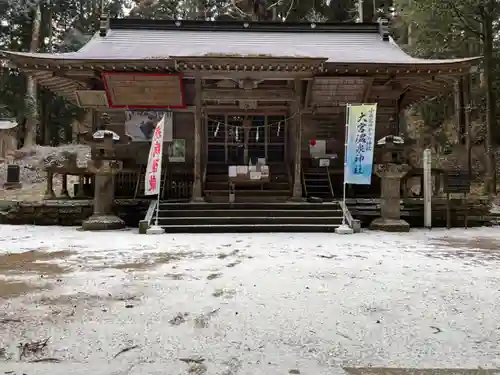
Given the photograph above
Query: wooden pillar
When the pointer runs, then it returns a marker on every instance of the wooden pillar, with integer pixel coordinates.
(467, 121)
(198, 118)
(457, 93)
(49, 192)
(297, 121)
(81, 182)
(64, 186)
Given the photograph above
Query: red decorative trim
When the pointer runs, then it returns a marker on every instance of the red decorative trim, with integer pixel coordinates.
(136, 106)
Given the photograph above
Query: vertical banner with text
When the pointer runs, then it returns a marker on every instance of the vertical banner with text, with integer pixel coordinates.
(153, 169)
(361, 120)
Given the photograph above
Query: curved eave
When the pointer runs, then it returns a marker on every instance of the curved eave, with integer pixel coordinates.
(455, 66)
(60, 85)
(24, 60)
(425, 89)
(73, 60)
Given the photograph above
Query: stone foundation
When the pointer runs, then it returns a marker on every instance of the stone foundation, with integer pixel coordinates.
(390, 225)
(68, 212)
(109, 222)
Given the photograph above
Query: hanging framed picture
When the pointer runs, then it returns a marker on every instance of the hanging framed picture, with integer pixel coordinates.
(177, 151)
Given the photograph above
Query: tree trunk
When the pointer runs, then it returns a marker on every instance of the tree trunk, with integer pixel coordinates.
(490, 181)
(31, 89)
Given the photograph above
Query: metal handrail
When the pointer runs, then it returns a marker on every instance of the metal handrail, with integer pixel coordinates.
(354, 224)
(151, 211)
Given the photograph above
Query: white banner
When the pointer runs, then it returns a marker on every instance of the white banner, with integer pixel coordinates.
(153, 170)
(361, 121)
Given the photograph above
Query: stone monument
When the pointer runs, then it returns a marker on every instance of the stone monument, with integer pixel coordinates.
(391, 171)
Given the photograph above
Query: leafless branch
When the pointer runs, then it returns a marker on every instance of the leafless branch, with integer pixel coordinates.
(274, 4)
(289, 10)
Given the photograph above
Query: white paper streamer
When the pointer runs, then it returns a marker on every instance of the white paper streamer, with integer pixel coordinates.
(237, 134)
(216, 130)
(257, 135)
(279, 128)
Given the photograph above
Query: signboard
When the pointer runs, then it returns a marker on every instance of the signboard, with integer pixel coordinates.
(153, 169)
(177, 151)
(361, 121)
(457, 182)
(139, 125)
(144, 90)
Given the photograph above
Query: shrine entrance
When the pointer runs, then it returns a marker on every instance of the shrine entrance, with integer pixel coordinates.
(241, 139)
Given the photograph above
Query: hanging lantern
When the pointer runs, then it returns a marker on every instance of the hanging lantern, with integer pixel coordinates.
(312, 142)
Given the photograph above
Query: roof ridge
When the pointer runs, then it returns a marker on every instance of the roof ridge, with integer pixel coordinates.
(242, 26)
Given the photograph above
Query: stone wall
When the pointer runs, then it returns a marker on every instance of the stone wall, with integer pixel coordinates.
(66, 212)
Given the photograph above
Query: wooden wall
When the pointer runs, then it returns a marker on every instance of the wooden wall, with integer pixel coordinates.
(137, 152)
(331, 127)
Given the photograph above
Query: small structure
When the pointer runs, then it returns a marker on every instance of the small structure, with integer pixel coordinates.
(8, 144)
(8, 137)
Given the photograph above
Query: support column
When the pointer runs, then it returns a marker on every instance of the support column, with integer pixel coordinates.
(103, 217)
(467, 117)
(198, 118)
(297, 121)
(390, 209)
(64, 187)
(81, 182)
(49, 192)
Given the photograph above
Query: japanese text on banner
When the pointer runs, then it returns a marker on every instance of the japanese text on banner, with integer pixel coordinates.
(360, 143)
(153, 169)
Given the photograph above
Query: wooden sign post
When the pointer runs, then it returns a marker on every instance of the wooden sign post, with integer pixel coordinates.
(427, 189)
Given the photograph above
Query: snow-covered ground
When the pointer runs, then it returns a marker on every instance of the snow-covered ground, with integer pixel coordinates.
(247, 303)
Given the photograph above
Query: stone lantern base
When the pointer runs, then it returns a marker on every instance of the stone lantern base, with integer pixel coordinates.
(98, 222)
(390, 225)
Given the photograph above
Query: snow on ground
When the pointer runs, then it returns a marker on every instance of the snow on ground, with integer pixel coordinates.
(247, 303)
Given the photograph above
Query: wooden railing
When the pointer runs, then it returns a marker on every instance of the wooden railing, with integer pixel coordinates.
(178, 187)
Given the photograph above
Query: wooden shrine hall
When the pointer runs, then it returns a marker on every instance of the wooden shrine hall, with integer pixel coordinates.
(269, 95)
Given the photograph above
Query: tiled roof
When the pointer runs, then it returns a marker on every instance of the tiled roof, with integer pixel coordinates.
(139, 40)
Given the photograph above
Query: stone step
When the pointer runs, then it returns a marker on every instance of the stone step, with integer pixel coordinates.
(334, 212)
(259, 228)
(248, 220)
(205, 206)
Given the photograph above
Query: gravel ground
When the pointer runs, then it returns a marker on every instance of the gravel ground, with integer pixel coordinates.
(122, 303)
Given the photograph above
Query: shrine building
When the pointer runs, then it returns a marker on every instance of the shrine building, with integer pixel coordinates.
(242, 93)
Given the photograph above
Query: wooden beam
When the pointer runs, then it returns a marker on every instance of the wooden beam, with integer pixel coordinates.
(255, 94)
(267, 75)
(309, 90)
(368, 90)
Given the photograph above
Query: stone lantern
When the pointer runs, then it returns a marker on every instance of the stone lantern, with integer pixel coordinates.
(391, 169)
(104, 146)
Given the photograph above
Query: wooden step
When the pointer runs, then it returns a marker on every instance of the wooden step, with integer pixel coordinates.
(266, 186)
(249, 192)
